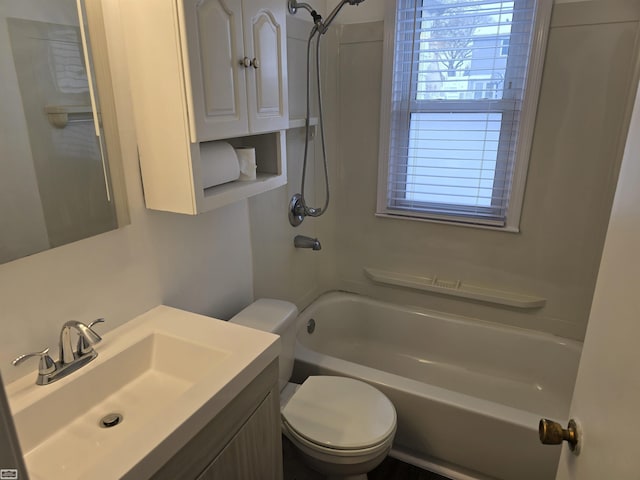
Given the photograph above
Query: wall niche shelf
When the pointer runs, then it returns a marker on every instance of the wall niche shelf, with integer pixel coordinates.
(270, 174)
(455, 288)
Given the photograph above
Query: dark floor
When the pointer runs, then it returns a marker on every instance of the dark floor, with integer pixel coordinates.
(390, 469)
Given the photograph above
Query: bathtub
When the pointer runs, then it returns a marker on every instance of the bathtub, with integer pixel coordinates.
(469, 394)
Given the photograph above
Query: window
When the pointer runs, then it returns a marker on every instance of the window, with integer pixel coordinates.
(462, 78)
(504, 48)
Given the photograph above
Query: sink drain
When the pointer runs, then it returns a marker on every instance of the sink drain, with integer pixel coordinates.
(110, 420)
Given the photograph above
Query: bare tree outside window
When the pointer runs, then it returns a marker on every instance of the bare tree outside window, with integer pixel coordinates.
(453, 24)
(454, 36)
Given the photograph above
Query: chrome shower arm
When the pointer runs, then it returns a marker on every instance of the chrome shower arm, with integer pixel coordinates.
(294, 5)
(321, 26)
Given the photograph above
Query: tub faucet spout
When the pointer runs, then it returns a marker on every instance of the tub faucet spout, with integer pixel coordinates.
(300, 241)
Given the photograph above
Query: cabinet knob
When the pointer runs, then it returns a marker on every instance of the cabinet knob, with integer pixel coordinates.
(246, 62)
(255, 63)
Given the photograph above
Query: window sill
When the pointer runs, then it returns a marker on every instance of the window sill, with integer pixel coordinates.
(454, 223)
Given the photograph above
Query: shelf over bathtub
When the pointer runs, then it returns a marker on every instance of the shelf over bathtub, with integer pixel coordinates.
(456, 288)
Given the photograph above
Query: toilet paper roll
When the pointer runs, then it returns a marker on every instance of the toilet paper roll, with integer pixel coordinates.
(219, 163)
(247, 160)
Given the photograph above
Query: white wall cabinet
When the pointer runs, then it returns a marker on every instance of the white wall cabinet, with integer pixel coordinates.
(237, 58)
(204, 70)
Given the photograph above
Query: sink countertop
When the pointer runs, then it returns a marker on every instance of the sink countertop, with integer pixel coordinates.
(57, 424)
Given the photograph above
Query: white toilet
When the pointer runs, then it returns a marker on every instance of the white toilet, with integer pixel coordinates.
(343, 428)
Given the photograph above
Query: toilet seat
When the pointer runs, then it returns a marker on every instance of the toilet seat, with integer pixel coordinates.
(305, 444)
(340, 415)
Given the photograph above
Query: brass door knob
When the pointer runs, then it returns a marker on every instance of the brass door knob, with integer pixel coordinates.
(552, 433)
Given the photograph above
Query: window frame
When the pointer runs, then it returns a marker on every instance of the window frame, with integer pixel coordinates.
(525, 131)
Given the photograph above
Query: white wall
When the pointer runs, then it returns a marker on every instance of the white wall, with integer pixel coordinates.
(202, 264)
(570, 187)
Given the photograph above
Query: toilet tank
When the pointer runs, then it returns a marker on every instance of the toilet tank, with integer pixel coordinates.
(275, 316)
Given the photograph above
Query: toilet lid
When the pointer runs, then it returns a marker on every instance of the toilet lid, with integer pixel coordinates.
(341, 413)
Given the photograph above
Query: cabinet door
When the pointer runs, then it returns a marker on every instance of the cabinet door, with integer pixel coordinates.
(265, 41)
(255, 453)
(217, 100)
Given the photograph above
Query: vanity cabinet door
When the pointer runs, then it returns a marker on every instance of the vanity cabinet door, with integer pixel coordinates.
(215, 49)
(265, 44)
(254, 453)
(242, 442)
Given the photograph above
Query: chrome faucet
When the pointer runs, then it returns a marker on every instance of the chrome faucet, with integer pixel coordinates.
(70, 360)
(86, 339)
(300, 241)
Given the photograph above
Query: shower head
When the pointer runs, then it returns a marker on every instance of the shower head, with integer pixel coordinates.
(321, 26)
(335, 12)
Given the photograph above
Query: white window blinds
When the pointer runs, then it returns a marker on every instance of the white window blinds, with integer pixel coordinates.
(458, 83)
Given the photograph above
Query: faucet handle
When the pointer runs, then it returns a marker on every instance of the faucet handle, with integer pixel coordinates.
(99, 320)
(83, 346)
(46, 366)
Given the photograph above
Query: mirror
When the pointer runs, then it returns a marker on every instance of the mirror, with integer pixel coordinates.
(60, 168)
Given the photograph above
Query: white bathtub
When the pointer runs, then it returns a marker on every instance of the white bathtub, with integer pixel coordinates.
(469, 394)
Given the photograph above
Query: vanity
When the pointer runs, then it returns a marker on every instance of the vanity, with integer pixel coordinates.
(171, 394)
(243, 441)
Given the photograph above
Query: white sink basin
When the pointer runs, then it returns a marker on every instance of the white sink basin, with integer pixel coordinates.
(167, 373)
